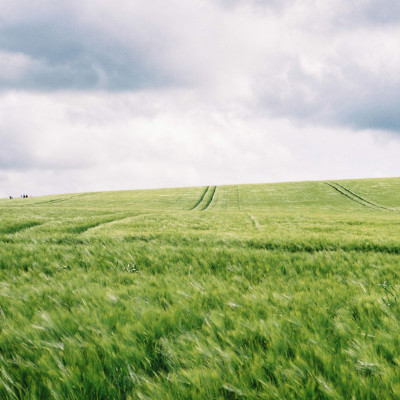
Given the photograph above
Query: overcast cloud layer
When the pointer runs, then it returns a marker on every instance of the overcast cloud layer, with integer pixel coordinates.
(99, 95)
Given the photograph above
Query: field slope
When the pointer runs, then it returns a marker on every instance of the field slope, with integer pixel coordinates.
(270, 291)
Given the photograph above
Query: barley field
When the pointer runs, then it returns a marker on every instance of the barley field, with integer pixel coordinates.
(268, 291)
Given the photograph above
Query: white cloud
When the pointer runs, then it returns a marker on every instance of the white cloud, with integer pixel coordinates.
(98, 95)
(309, 59)
(14, 66)
(79, 142)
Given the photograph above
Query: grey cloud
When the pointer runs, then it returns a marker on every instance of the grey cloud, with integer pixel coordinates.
(353, 97)
(343, 14)
(69, 56)
(145, 48)
(372, 12)
(379, 110)
(271, 4)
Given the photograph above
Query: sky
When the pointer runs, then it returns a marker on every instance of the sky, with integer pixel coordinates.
(99, 95)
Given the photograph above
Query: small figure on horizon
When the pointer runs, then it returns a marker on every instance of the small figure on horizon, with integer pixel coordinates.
(10, 197)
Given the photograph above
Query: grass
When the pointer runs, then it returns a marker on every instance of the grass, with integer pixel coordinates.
(279, 291)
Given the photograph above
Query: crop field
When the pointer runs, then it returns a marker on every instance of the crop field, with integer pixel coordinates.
(270, 291)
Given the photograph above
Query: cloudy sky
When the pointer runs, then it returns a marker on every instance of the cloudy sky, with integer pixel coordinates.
(101, 95)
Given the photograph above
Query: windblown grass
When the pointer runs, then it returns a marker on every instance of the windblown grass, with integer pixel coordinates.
(280, 291)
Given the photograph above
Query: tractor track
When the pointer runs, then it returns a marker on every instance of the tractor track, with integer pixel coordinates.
(206, 199)
(17, 228)
(363, 199)
(356, 198)
(60, 200)
(214, 189)
(254, 221)
(111, 222)
(239, 203)
(177, 200)
(201, 198)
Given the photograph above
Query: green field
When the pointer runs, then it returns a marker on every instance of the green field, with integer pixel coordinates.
(271, 291)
